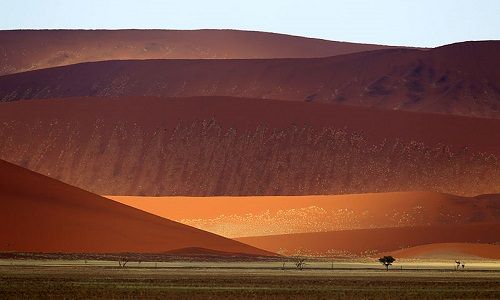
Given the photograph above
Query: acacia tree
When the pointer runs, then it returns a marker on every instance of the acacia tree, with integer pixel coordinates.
(387, 261)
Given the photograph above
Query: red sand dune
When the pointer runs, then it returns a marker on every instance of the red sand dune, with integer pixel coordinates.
(450, 250)
(461, 79)
(231, 146)
(371, 241)
(39, 214)
(271, 215)
(25, 50)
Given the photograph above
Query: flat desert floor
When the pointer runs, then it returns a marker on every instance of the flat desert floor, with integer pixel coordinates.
(243, 280)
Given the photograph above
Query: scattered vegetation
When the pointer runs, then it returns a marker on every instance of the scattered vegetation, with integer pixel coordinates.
(91, 282)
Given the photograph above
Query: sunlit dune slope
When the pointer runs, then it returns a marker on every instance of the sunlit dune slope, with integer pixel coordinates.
(25, 50)
(450, 251)
(461, 79)
(257, 216)
(39, 214)
(372, 241)
(206, 146)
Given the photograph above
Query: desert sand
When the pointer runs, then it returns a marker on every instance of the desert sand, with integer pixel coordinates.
(271, 215)
(206, 146)
(25, 50)
(277, 118)
(39, 214)
(459, 79)
(365, 242)
(450, 251)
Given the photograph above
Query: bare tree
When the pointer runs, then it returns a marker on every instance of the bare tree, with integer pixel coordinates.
(122, 262)
(387, 261)
(300, 262)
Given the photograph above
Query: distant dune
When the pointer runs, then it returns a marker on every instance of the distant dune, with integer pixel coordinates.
(457, 251)
(257, 216)
(364, 242)
(208, 146)
(39, 214)
(25, 50)
(460, 79)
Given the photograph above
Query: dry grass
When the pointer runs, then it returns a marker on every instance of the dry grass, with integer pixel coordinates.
(94, 281)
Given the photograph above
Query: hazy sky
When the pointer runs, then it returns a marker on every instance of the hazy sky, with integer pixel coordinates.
(403, 22)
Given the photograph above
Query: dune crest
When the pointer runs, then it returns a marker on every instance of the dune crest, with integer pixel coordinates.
(26, 50)
(370, 242)
(459, 79)
(40, 214)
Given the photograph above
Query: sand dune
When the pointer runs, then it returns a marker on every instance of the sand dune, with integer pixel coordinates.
(372, 241)
(39, 214)
(208, 146)
(455, 251)
(25, 50)
(459, 79)
(257, 216)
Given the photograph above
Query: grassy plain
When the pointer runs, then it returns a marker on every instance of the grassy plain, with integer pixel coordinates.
(241, 280)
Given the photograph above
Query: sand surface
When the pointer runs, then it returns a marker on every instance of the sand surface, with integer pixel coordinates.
(371, 241)
(459, 79)
(459, 251)
(39, 214)
(270, 215)
(206, 146)
(36, 49)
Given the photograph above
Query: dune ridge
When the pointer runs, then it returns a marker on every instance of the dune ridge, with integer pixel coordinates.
(26, 50)
(460, 79)
(40, 214)
(370, 242)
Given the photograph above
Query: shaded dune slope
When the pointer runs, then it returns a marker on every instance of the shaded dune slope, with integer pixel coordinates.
(460, 79)
(25, 50)
(230, 146)
(271, 215)
(372, 241)
(39, 214)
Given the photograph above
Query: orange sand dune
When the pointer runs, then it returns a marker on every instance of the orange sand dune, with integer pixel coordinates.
(372, 241)
(459, 79)
(206, 146)
(35, 49)
(39, 214)
(450, 251)
(271, 215)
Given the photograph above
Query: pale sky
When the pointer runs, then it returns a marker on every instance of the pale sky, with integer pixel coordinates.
(424, 23)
